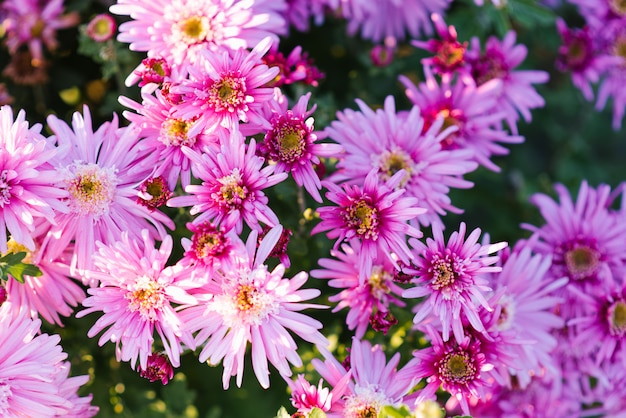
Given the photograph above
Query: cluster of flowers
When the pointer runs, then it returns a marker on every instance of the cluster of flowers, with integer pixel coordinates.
(214, 129)
(596, 53)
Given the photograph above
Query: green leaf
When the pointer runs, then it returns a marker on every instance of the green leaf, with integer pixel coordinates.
(530, 13)
(11, 265)
(389, 411)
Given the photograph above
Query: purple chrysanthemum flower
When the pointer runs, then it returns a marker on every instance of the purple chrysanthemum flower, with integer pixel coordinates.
(159, 368)
(305, 397)
(472, 109)
(374, 382)
(498, 61)
(378, 20)
(456, 367)
(29, 188)
(247, 303)
(377, 214)
(33, 376)
(450, 276)
(138, 295)
(164, 134)
(388, 142)
(178, 30)
(34, 23)
(363, 298)
(100, 171)
(292, 144)
(224, 88)
(584, 238)
(233, 179)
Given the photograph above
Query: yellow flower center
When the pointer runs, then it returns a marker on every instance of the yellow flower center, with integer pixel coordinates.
(174, 133)
(91, 189)
(195, 29)
(617, 319)
(457, 367)
(582, 262)
(147, 296)
(363, 218)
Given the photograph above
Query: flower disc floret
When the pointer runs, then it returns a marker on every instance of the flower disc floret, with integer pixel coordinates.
(616, 316)
(147, 296)
(228, 94)
(582, 261)
(287, 141)
(457, 367)
(174, 132)
(362, 217)
(91, 188)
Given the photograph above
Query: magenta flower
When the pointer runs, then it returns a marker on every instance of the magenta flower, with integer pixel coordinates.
(450, 277)
(388, 141)
(373, 381)
(247, 303)
(232, 186)
(79, 407)
(178, 30)
(138, 295)
(226, 87)
(363, 298)
(164, 134)
(33, 382)
(29, 188)
(101, 27)
(498, 61)
(376, 214)
(100, 172)
(305, 397)
(159, 368)
(456, 367)
(35, 23)
(584, 238)
(295, 67)
(292, 143)
(472, 109)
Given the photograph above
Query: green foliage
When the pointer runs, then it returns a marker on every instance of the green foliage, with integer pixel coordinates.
(12, 265)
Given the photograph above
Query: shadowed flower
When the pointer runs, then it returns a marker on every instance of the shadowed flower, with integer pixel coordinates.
(159, 368)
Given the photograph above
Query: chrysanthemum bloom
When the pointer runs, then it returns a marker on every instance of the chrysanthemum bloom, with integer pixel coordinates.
(472, 109)
(159, 368)
(80, 407)
(456, 367)
(233, 179)
(250, 304)
(377, 214)
(29, 186)
(51, 295)
(101, 27)
(164, 134)
(280, 249)
(615, 76)
(177, 30)
(601, 334)
(524, 313)
(34, 23)
(579, 55)
(295, 67)
(449, 53)
(584, 238)
(100, 171)
(21, 70)
(498, 61)
(154, 193)
(378, 20)
(138, 295)
(300, 13)
(151, 71)
(450, 277)
(374, 381)
(209, 248)
(225, 88)
(389, 141)
(292, 143)
(363, 298)
(31, 383)
(305, 397)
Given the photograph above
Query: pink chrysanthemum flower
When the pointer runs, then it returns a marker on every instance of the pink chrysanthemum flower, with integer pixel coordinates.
(292, 143)
(233, 179)
(51, 295)
(226, 87)
(377, 214)
(363, 298)
(374, 382)
(378, 20)
(159, 368)
(137, 295)
(29, 187)
(305, 397)
(32, 383)
(164, 134)
(456, 367)
(295, 67)
(601, 334)
(450, 277)
(584, 238)
(251, 304)
(34, 23)
(524, 312)
(101, 27)
(79, 407)
(498, 61)
(100, 171)
(178, 30)
(388, 142)
(472, 109)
